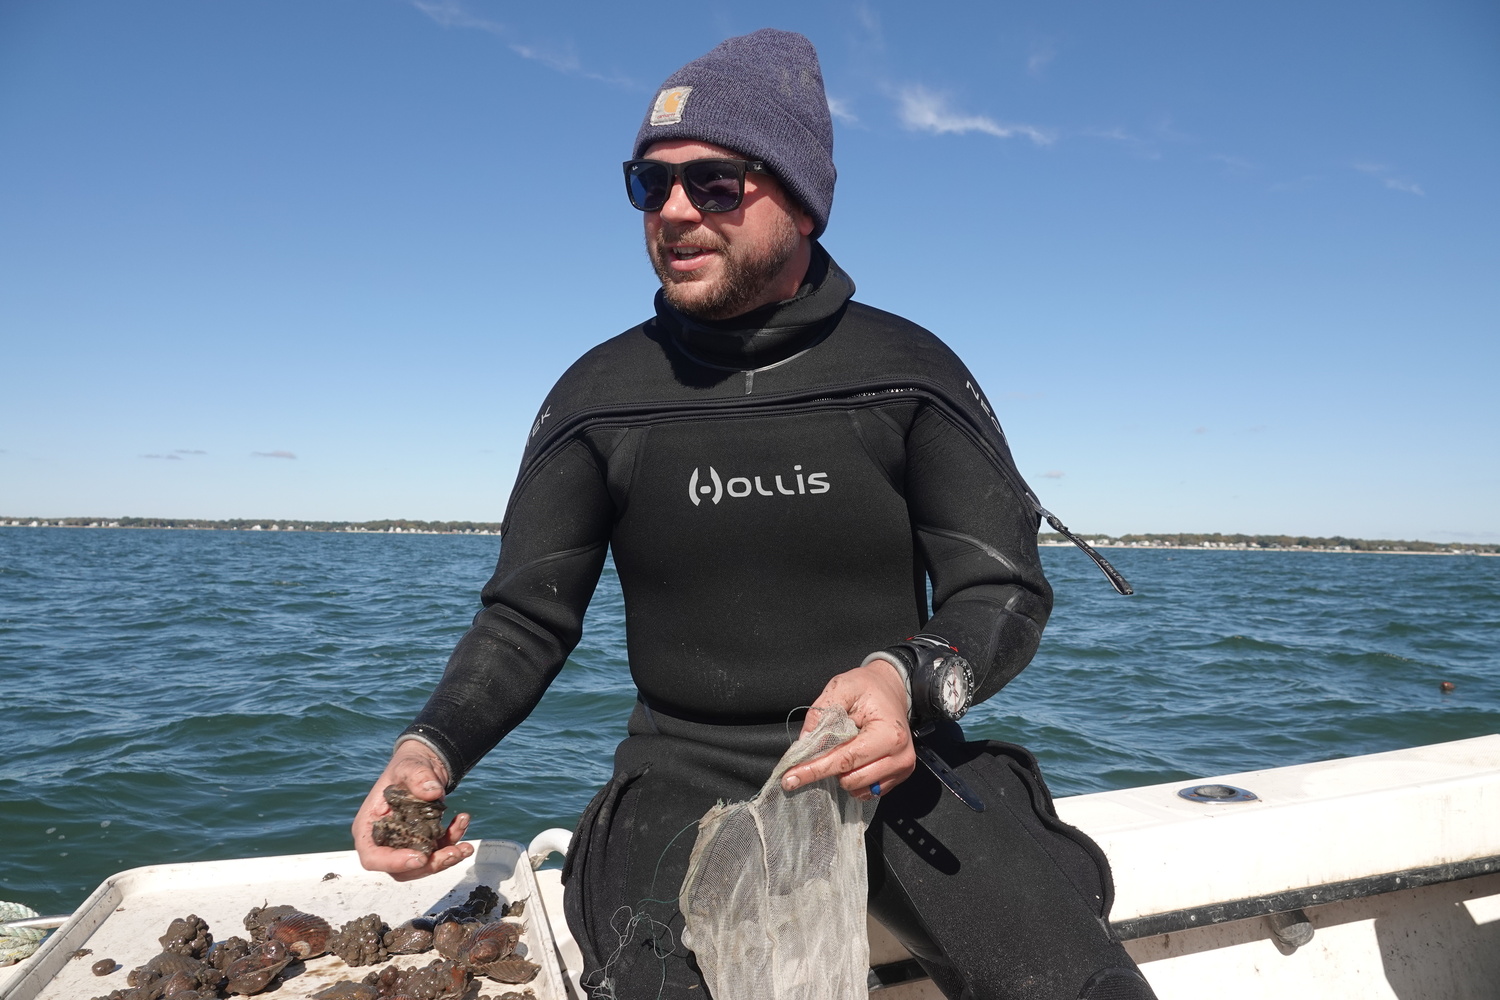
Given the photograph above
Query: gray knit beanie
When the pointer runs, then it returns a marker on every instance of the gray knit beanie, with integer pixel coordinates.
(760, 95)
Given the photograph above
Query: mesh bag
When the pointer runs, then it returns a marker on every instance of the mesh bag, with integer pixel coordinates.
(774, 898)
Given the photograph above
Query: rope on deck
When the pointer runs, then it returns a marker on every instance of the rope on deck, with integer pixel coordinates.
(17, 943)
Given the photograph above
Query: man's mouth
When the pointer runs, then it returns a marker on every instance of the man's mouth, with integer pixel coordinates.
(686, 259)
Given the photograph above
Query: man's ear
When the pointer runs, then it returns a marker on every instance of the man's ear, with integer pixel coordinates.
(804, 220)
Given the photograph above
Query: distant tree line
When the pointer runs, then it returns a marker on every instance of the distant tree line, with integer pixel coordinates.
(1336, 543)
(1184, 540)
(391, 525)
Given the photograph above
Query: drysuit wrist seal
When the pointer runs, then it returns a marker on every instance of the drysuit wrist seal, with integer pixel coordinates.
(940, 681)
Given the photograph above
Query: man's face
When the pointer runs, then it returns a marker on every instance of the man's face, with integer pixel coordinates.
(717, 265)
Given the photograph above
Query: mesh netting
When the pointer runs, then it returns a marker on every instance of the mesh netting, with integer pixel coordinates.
(774, 898)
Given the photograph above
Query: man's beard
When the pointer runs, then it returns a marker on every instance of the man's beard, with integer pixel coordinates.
(743, 275)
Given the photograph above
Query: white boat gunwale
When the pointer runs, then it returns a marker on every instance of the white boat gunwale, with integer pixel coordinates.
(1298, 899)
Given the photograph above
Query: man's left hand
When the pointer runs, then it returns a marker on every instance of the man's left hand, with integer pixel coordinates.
(881, 755)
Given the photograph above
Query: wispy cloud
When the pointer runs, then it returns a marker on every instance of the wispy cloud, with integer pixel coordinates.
(454, 14)
(923, 110)
(273, 454)
(1140, 147)
(840, 110)
(1383, 173)
(1053, 474)
(1298, 184)
(1041, 56)
(1165, 129)
(869, 20)
(1232, 164)
(177, 454)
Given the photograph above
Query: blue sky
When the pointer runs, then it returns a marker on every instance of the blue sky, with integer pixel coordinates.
(1221, 267)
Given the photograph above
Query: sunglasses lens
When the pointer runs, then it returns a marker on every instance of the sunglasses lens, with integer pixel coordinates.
(713, 185)
(648, 184)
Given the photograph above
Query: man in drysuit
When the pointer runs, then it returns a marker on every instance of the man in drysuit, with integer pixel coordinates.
(778, 471)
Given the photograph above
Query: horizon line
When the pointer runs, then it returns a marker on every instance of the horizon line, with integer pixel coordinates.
(399, 525)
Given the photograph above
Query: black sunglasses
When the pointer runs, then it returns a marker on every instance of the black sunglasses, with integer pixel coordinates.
(711, 185)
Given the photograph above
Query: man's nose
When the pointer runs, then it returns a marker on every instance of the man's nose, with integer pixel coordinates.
(677, 207)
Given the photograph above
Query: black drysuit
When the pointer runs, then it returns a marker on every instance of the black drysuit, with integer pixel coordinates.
(777, 490)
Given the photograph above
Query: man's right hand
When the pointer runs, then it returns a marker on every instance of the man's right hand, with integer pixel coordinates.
(417, 769)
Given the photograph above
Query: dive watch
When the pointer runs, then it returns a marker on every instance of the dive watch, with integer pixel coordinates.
(939, 680)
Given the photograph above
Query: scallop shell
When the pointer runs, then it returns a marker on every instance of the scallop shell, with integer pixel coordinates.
(490, 943)
(304, 934)
(187, 935)
(514, 969)
(412, 822)
(255, 971)
(347, 989)
(178, 982)
(262, 917)
(226, 952)
(410, 938)
(450, 936)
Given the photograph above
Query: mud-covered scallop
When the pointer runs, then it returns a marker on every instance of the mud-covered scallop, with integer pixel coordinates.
(187, 935)
(410, 938)
(181, 972)
(361, 941)
(256, 970)
(260, 918)
(413, 823)
(347, 989)
(440, 979)
(450, 936)
(226, 952)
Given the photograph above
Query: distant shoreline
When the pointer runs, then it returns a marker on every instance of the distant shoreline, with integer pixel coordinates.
(1215, 542)
(402, 526)
(1476, 550)
(393, 527)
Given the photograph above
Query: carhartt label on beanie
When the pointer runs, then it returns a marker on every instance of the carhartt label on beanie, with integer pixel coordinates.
(760, 95)
(669, 104)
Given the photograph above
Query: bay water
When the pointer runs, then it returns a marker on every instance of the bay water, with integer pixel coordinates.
(170, 695)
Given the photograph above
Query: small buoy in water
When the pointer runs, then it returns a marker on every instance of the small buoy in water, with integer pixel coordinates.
(1446, 687)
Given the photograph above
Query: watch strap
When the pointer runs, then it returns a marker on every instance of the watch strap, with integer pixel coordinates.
(922, 656)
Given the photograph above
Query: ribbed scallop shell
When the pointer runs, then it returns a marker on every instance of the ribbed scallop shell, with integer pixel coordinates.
(490, 943)
(304, 934)
(511, 970)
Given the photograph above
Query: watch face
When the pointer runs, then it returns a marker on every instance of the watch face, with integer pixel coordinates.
(953, 686)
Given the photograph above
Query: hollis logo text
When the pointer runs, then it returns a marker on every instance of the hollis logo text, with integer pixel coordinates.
(743, 486)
